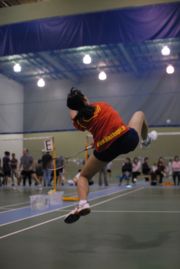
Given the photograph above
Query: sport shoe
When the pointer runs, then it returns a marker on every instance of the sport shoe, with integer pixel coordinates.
(76, 213)
(146, 142)
(152, 136)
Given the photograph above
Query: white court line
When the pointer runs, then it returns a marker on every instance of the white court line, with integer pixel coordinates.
(137, 211)
(62, 216)
(133, 211)
(57, 209)
(24, 203)
(13, 205)
(1, 208)
(34, 216)
(13, 209)
(112, 198)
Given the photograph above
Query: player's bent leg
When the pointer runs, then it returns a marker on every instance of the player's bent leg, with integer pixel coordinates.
(138, 122)
(92, 166)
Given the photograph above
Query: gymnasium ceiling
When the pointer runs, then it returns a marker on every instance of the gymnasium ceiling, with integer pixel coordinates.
(67, 64)
(112, 58)
(9, 3)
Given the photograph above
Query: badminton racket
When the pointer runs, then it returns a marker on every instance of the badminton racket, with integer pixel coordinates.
(72, 156)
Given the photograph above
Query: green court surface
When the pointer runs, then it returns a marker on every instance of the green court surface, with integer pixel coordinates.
(136, 228)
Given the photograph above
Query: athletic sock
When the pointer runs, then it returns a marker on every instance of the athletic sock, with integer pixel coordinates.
(82, 202)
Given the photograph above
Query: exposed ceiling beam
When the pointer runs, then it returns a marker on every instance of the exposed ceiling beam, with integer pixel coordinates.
(128, 58)
(50, 61)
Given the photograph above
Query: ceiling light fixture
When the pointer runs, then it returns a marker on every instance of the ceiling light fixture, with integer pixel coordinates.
(41, 83)
(170, 69)
(17, 68)
(165, 51)
(87, 59)
(102, 75)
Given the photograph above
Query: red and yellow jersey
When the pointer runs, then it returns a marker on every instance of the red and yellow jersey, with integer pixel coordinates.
(106, 125)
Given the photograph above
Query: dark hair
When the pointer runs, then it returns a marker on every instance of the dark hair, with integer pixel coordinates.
(77, 101)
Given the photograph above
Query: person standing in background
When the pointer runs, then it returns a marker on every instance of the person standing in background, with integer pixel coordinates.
(176, 170)
(6, 167)
(126, 171)
(26, 167)
(146, 169)
(161, 170)
(60, 170)
(1, 173)
(46, 164)
(39, 171)
(136, 169)
(103, 176)
(109, 170)
(14, 167)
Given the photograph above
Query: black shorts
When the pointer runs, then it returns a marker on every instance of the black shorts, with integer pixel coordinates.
(7, 172)
(27, 173)
(124, 144)
(59, 171)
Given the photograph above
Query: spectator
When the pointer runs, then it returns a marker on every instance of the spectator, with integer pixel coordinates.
(103, 176)
(26, 164)
(169, 169)
(1, 173)
(14, 166)
(146, 169)
(126, 171)
(60, 170)
(39, 170)
(161, 169)
(176, 170)
(136, 169)
(153, 174)
(46, 164)
(6, 167)
(109, 170)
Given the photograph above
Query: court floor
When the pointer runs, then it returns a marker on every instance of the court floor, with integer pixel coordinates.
(137, 228)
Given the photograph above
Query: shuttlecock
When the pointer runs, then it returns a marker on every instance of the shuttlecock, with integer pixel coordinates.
(153, 135)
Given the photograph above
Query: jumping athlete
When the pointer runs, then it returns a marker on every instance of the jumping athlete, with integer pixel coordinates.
(111, 136)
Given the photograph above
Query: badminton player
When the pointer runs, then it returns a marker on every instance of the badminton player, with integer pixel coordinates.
(111, 136)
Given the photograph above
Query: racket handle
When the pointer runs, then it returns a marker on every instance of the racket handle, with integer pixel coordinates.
(89, 147)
